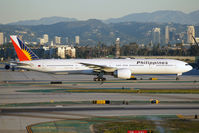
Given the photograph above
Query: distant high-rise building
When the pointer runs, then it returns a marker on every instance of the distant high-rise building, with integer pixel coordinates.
(64, 50)
(190, 34)
(67, 40)
(57, 40)
(117, 45)
(51, 43)
(1, 38)
(166, 34)
(172, 34)
(156, 36)
(20, 37)
(5, 40)
(45, 37)
(41, 41)
(77, 40)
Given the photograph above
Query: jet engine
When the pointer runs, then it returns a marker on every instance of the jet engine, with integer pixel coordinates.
(122, 73)
(7, 66)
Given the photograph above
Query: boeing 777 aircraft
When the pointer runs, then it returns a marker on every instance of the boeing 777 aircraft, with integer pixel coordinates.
(120, 68)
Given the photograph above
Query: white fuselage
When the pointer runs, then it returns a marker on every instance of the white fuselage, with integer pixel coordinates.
(136, 66)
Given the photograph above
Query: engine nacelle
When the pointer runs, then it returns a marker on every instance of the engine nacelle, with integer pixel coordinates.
(122, 73)
(7, 66)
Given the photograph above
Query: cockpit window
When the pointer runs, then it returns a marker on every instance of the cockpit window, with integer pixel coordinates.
(186, 64)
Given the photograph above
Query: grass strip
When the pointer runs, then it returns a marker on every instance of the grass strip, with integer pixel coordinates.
(168, 123)
(181, 126)
(44, 103)
(124, 127)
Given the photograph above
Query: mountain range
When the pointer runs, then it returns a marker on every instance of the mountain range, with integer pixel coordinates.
(131, 28)
(163, 16)
(93, 31)
(44, 21)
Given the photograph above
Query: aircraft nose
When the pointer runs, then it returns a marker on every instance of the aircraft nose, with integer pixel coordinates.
(189, 67)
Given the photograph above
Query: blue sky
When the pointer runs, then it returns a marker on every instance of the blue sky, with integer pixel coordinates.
(15, 10)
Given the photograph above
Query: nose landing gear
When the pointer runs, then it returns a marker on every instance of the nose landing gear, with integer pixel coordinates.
(178, 76)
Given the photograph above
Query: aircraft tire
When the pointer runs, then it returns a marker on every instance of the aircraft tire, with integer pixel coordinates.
(94, 79)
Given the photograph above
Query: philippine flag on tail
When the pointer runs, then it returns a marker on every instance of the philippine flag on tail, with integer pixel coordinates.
(23, 52)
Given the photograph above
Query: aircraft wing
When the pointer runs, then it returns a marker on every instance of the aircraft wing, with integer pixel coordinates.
(99, 68)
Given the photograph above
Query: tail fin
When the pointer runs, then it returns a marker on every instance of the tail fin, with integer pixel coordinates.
(23, 52)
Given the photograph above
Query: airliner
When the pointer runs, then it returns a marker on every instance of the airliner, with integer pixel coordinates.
(120, 68)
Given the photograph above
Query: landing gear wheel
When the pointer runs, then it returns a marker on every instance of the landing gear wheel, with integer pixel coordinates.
(99, 79)
(13, 69)
(177, 78)
(94, 79)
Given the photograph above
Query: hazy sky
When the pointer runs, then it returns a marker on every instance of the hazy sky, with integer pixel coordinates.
(14, 10)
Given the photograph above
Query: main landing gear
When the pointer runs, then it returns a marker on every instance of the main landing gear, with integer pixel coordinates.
(99, 77)
(178, 76)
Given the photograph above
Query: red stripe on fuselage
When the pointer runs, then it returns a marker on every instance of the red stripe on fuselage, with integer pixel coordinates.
(20, 54)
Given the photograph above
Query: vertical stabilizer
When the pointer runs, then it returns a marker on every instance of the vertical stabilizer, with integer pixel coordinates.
(23, 52)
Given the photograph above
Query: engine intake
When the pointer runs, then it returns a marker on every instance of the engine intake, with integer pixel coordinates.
(122, 73)
(7, 66)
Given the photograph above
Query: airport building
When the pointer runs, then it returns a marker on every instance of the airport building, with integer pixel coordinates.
(1, 38)
(156, 35)
(190, 34)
